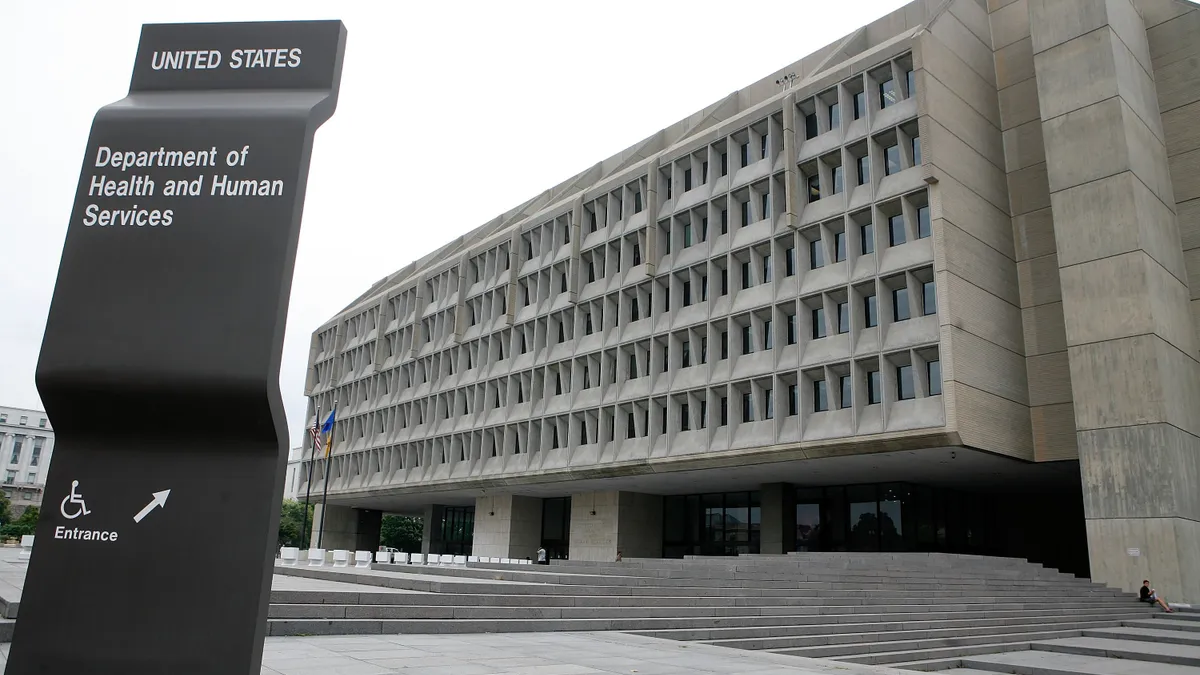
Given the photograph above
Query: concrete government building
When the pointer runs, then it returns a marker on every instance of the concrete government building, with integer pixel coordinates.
(928, 288)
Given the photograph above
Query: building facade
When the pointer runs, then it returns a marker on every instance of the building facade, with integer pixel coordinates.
(26, 445)
(927, 288)
(293, 477)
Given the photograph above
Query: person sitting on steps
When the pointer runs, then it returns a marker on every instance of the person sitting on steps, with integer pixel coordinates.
(1147, 594)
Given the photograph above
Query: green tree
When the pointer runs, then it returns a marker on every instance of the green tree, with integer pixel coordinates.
(5, 514)
(402, 532)
(24, 525)
(291, 524)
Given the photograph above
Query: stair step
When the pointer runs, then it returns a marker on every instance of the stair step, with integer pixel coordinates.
(1035, 662)
(1159, 624)
(1145, 635)
(898, 659)
(1179, 655)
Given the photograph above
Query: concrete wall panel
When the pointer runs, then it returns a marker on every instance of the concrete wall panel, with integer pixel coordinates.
(1054, 435)
(1014, 63)
(970, 258)
(1023, 146)
(1033, 234)
(974, 214)
(993, 423)
(1045, 331)
(1029, 189)
(1049, 379)
(985, 366)
(1010, 23)
(1039, 281)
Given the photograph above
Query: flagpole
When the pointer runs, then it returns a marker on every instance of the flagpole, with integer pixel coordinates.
(325, 489)
(308, 492)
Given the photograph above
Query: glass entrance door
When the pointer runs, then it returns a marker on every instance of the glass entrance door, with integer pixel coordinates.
(556, 527)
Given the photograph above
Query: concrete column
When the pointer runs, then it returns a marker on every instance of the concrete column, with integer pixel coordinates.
(1131, 347)
(340, 527)
(431, 535)
(778, 529)
(603, 523)
(507, 526)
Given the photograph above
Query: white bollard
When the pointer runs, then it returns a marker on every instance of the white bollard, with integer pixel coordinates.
(26, 547)
(341, 558)
(383, 557)
(472, 558)
(316, 557)
(401, 559)
(460, 560)
(289, 555)
(362, 558)
(445, 559)
(418, 559)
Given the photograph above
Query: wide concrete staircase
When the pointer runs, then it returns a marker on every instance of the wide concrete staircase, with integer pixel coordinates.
(922, 611)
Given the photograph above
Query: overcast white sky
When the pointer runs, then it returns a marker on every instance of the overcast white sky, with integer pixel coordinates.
(450, 113)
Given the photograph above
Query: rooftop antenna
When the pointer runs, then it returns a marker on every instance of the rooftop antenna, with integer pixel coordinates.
(786, 81)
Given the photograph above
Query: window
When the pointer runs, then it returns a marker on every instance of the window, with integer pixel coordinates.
(562, 333)
(687, 294)
(703, 350)
(900, 305)
(633, 369)
(684, 422)
(896, 233)
(704, 173)
(637, 254)
(835, 117)
(789, 261)
(703, 413)
(3, 417)
(891, 160)
(810, 126)
(634, 314)
(766, 205)
(587, 377)
(843, 317)
(793, 400)
(904, 383)
(747, 341)
(870, 311)
(814, 187)
(768, 337)
(592, 218)
(820, 396)
(591, 271)
(874, 388)
(687, 180)
(923, 222)
(745, 150)
(24, 420)
(816, 254)
(866, 235)
(846, 399)
(766, 277)
(818, 323)
(860, 105)
(724, 410)
(864, 170)
(724, 282)
(587, 323)
(791, 329)
(724, 221)
(747, 407)
(763, 143)
(916, 149)
(724, 163)
(687, 235)
(637, 202)
(838, 181)
(42, 423)
(934, 370)
(10, 476)
(666, 358)
(747, 280)
(704, 229)
(558, 390)
(630, 430)
(686, 355)
(911, 80)
(562, 286)
(887, 93)
(928, 299)
(839, 246)
(725, 344)
(768, 404)
(16, 453)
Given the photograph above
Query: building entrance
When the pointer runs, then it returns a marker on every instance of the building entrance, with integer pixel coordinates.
(556, 527)
(724, 523)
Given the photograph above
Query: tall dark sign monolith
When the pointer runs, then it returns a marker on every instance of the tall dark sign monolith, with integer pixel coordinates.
(160, 364)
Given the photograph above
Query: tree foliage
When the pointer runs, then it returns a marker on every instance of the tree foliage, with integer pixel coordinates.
(291, 524)
(402, 532)
(24, 525)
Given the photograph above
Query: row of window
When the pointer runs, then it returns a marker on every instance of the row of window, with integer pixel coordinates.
(10, 477)
(24, 420)
(831, 389)
(18, 449)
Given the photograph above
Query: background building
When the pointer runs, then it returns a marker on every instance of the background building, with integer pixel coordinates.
(925, 289)
(26, 444)
(291, 485)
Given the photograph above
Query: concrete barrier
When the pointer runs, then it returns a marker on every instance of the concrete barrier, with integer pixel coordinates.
(289, 555)
(362, 558)
(316, 557)
(341, 558)
(384, 557)
(400, 558)
(417, 559)
(26, 547)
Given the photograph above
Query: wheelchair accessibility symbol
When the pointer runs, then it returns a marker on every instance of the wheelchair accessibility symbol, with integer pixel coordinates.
(74, 500)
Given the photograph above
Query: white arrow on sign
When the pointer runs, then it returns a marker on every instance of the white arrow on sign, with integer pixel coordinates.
(160, 499)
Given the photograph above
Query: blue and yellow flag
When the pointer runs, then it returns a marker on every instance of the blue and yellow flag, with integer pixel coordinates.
(327, 431)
